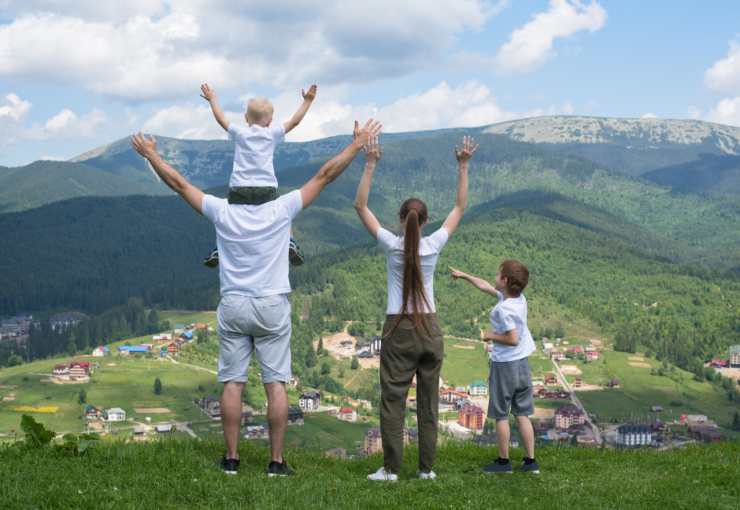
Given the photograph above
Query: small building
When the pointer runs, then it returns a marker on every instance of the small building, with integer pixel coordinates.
(162, 337)
(187, 336)
(373, 442)
(173, 348)
(201, 326)
(452, 397)
(568, 416)
(557, 355)
(591, 354)
(295, 415)
(550, 379)
(478, 388)
(60, 370)
(657, 409)
(613, 383)
(578, 382)
(211, 406)
(735, 356)
(310, 401)
(709, 433)
(347, 414)
(255, 432)
(164, 428)
(101, 351)
(693, 419)
(79, 369)
(471, 416)
(132, 349)
(630, 435)
(92, 412)
(114, 414)
(375, 344)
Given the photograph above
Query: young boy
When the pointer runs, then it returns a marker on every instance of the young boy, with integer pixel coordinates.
(253, 176)
(510, 379)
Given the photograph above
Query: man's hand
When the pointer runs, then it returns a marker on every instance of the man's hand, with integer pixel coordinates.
(469, 147)
(370, 130)
(310, 95)
(207, 92)
(372, 150)
(146, 147)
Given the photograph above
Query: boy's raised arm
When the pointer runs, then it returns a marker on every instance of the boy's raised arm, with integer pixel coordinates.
(209, 95)
(478, 283)
(297, 117)
(461, 199)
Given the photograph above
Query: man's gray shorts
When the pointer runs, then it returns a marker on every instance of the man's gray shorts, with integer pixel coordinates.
(510, 389)
(258, 325)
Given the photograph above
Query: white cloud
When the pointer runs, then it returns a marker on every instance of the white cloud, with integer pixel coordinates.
(187, 121)
(726, 111)
(167, 49)
(724, 75)
(648, 115)
(529, 46)
(13, 110)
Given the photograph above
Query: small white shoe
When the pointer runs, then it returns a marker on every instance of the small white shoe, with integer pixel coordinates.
(381, 475)
(427, 476)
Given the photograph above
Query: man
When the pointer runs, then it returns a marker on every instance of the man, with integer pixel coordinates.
(254, 312)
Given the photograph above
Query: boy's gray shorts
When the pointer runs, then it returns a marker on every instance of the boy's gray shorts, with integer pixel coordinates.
(510, 389)
(259, 325)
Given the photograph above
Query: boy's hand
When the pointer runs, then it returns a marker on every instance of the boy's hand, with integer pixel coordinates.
(456, 273)
(310, 95)
(207, 92)
(469, 147)
(146, 147)
(372, 150)
(370, 130)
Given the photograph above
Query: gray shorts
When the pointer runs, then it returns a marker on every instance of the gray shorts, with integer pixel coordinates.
(258, 325)
(510, 389)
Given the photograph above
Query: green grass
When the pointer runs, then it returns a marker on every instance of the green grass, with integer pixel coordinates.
(182, 474)
(463, 366)
(640, 391)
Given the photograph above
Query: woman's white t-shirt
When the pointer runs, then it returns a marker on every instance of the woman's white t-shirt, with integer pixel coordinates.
(429, 249)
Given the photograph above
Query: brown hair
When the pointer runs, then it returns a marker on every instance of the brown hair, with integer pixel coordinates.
(516, 274)
(414, 212)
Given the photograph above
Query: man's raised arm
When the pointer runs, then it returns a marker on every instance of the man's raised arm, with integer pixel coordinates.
(147, 148)
(336, 165)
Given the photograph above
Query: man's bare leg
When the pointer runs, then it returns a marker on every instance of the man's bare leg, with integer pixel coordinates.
(277, 418)
(231, 416)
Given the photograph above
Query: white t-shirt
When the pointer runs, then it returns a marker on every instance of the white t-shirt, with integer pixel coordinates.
(253, 152)
(511, 314)
(429, 249)
(253, 243)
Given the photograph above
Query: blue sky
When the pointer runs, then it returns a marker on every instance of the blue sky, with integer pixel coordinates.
(81, 73)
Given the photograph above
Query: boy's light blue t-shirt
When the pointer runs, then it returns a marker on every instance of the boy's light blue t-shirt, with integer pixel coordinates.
(511, 314)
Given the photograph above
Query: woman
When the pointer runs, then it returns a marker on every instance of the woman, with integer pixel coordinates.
(412, 340)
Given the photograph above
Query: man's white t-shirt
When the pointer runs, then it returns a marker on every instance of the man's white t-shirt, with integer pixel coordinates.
(429, 249)
(253, 243)
(511, 314)
(253, 152)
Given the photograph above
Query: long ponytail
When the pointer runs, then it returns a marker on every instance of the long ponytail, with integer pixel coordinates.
(414, 211)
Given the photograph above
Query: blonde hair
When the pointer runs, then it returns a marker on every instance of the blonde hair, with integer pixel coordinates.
(259, 109)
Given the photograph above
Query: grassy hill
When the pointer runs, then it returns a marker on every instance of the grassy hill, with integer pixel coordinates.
(182, 474)
(42, 182)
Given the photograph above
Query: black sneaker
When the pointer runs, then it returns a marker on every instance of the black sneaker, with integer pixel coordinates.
(530, 467)
(212, 259)
(230, 466)
(498, 466)
(295, 254)
(279, 469)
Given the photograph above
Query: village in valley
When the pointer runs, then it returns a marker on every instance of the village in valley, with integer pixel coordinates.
(163, 385)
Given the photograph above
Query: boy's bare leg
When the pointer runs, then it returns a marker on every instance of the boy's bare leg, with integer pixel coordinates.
(503, 433)
(277, 417)
(231, 416)
(526, 431)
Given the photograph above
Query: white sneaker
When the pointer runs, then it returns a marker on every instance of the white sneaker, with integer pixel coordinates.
(381, 475)
(427, 476)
